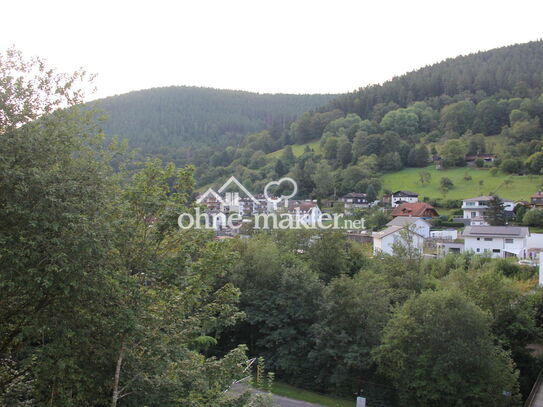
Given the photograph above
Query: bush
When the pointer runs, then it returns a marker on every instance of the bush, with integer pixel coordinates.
(534, 217)
(446, 183)
(452, 204)
(480, 163)
(511, 166)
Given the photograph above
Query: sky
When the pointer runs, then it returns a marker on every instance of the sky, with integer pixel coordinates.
(266, 46)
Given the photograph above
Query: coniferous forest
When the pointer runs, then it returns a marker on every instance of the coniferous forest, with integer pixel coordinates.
(449, 109)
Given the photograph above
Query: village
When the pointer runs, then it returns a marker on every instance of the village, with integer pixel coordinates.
(413, 223)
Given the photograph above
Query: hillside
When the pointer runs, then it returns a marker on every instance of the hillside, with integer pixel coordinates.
(488, 102)
(468, 182)
(177, 119)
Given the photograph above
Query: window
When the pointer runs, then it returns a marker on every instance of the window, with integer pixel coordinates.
(478, 238)
(488, 239)
(473, 214)
(509, 240)
(495, 250)
(478, 250)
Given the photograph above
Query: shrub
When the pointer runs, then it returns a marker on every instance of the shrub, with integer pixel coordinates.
(534, 217)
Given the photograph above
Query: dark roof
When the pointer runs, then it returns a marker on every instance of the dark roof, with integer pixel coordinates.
(405, 194)
(414, 209)
(498, 231)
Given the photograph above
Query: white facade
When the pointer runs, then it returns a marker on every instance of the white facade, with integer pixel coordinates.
(400, 197)
(417, 225)
(384, 241)
(496, 241)
(475, 209)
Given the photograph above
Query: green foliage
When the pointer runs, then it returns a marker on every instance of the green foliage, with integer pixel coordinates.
(495, 214)
(535, 163)
(438, 350)
(355, 312)
(453, 153)
(534, 217)
(102, 298)
(446, 184)
(458, 117)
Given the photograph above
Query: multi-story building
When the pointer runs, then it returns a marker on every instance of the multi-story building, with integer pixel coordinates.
(475, 209)
(496, 241)
(400, 197)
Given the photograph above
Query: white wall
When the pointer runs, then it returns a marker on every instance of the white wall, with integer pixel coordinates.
(497, 243)
(404, 199)
(385, 244)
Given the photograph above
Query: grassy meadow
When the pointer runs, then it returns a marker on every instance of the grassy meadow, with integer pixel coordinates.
(514, 187)
(297, 149)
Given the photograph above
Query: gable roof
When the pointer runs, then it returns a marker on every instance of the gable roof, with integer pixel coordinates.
(496, 231)
(484, 198)
(405, 221)
(393, 229)
(233, 180)
(405, 194)
(416, 209)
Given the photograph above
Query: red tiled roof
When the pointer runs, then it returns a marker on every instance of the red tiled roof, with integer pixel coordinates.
(419, 209)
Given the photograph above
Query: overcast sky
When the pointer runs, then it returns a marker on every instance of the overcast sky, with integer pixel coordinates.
(271, 46)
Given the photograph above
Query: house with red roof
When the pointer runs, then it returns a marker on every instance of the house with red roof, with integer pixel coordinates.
(417, 209)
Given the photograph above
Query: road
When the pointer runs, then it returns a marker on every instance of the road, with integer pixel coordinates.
(279, 400)
(286, 402)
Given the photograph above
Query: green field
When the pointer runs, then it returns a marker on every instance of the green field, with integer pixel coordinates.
(298, 149)
(282, 389)
(520, 187)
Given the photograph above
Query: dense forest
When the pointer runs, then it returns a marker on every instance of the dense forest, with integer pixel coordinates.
(179, 122)
(446, 110)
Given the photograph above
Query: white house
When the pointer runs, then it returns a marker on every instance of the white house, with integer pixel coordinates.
(497, 241)
(475, 209)
(418, 225)
(304, 212)
(400, 197)
(384, 241)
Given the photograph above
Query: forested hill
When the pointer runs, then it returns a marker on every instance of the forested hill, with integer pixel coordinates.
(488, 102)
(516, 69)
(178, 117)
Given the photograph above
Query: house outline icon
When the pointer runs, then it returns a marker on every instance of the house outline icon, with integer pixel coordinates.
(233, 179)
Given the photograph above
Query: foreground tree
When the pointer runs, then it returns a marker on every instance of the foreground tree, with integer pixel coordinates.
(495, 214)
(102, 298)
(438, 350)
